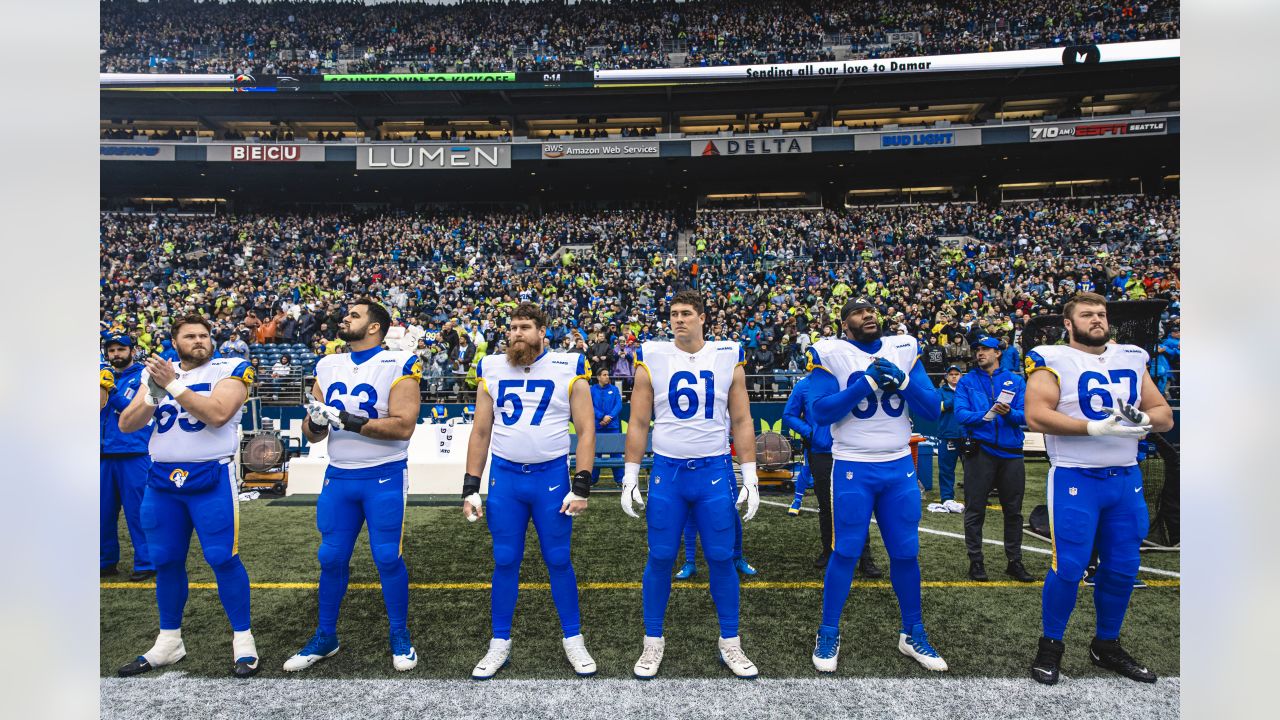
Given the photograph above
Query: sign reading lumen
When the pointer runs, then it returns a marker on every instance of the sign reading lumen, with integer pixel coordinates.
(752, 146)
(433, 157)
(917, 139)
(504, 77)
(1095, 130)
(599, 150)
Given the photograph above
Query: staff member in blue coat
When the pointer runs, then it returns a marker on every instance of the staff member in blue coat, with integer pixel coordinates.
(122, 466)
(996, 428)
(949, 439)
(607, 400)
(798, 415)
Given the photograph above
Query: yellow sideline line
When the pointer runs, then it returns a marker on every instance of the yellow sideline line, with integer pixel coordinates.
(754, 585)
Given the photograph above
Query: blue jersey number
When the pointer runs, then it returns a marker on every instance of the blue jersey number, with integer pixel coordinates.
(365, 389)
(1095, 385)
(508, 393)
(867, 406)
(167, 415)
(684, 400)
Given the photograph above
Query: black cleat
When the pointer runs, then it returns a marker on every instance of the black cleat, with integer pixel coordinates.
(140, 575)
(137, 667)
(867, 568)
(977, 571)
(1091, 575)
(108, 571)
(1019, 573)
(1048, 661)
(1108, 654)
(246, 667)
(821, 562)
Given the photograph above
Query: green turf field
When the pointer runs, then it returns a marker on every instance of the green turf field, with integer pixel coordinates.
(981, 629)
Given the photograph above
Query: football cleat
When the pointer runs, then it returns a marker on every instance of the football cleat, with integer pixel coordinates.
(651, 658)
(867, 568)
(732, 656)
(575, 649)
(826, 650)
(794, 510)
(246, 655)
(403, 656)
(916, 645)
(320, 646)
(493, 661)
(744, 567)
(686, 571)
(167, 651)
(1108, 654)
(1048, 663)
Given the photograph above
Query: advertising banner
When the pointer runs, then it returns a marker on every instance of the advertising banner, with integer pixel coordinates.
(907, 139)
(763, 145)
(140, 151)
(1094, 129)
(265, 153)
(587, 150)
(433, 157)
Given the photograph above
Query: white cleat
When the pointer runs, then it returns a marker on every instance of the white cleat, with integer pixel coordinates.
(493, 661)
(651, 659)
(404, 663)
(403, 655)
(731, 655)
(575, 648)
(317, 649)
(916, 646)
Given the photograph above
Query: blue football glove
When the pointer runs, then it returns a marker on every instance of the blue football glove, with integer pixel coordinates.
(876, 377)
(893, 377)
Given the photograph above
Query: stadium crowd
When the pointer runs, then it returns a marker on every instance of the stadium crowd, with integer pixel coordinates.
(497, 35)
(774, 280)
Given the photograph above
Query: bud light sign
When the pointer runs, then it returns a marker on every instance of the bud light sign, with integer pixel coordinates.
(917, 139)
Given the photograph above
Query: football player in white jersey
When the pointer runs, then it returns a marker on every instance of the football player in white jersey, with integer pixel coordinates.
(366, 403)
(863, 386)
(196, 403)
(696, 392)
(1094, 402)
(524, 403)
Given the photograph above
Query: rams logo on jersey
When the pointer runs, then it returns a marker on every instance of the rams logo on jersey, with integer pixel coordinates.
(249, 375)
(178, 477)
(416, 371)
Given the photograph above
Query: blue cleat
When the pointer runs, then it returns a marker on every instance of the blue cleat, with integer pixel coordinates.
(826, 650)
(916, 645)
(744, 567)
(320, 646)
(686, 571)
(794, 510)
(403, 655)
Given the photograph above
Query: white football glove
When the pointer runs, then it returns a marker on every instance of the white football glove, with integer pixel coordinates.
(155, 392)
(569, 498)
(631, 488)
(1129, 413)
(322, 414)
(1111, 426)
(476, 504)
(750, 490)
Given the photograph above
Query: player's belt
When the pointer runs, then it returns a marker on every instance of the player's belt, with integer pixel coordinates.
(695, 463)
(561, 463)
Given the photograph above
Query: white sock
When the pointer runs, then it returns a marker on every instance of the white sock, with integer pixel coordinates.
(166, 642)
(242, 644)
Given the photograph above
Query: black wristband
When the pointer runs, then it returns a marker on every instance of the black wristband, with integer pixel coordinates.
(582, 483)
(470, 485)
(317, 429)
(352, 423)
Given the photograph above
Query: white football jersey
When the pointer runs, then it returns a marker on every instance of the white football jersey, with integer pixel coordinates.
(531, 404)
(1087, 384)
(179, 437)
(690, 397)
(364, 389)
(878, 428)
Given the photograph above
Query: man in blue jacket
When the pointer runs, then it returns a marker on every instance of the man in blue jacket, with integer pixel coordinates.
(949, 439)
(996, 428)
(798, 415)
(1010, 359)
(123, 466)
(607, 400)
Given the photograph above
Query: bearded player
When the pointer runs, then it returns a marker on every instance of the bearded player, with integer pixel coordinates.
(863, 386)
(196, 403)
(523, 405)
(366, 403)
(1094, 403)
(695, 391)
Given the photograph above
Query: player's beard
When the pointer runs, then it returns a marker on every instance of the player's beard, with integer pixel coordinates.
(195, 356)
(857, 333)
(521, 353)
(1083, 337)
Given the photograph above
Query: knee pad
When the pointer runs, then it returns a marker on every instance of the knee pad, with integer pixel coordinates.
(333, 557)
(718, 540)
(664, 536)
(163, 555)
(851, 534)
(902, 534)
(507, 551)
(218, 555)
(556, 556)
(386, 556)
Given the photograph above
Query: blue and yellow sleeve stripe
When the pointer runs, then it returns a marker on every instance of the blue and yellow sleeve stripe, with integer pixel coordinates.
(742, 356)
(813, 361)
(245, 373)
(640, 360)
(412, 370)
(1035, 361)
(582, 372)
